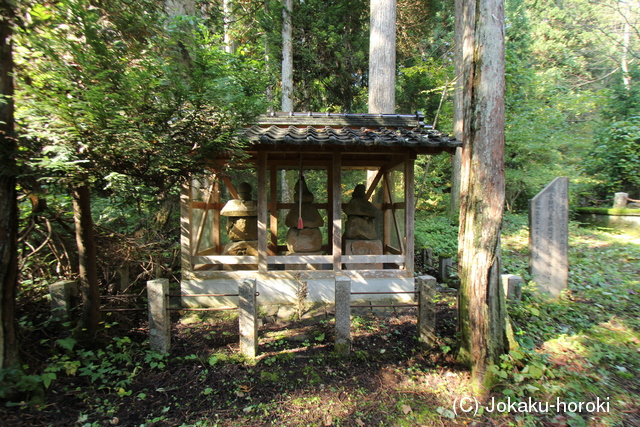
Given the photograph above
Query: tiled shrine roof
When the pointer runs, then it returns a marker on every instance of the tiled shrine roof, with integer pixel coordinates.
(366, 130)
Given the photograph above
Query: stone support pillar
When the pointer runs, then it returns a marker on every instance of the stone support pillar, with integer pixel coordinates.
(247, 318)
(512, 287)
(343, 316)
(62, 295)
(426, 310)
(620, 200)
(159, 324)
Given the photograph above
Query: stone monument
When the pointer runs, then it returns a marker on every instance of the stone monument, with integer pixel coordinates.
(304, 222)
(361, 235)
(549, 237)
(242, 223)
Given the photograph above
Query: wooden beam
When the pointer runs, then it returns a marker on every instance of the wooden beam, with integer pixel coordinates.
(374, 184)
(205, 205)
(210, 200)
(230, 187)
(393, 211)
(388, 166)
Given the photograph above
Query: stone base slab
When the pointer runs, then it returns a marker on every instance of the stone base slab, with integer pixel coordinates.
(363, 247)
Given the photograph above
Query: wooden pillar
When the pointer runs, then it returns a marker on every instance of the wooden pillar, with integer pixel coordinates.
(386, 214)
(336, 207)
(186, 226)
(273, 211)
(262, 212)
(409, 212)
(215, 231)
(330, 176)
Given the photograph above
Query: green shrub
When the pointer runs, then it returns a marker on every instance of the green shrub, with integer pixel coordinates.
(437, 233)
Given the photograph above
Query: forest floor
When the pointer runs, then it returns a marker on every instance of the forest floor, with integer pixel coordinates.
(584, 348)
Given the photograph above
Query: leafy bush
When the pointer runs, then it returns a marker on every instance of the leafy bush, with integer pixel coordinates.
(437, 233)
(616, 158)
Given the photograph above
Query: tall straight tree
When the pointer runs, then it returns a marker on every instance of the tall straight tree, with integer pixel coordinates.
(382, 57)
(230, 44)
(287, 56)
(482, 307)
(458, 122)
(8, 196)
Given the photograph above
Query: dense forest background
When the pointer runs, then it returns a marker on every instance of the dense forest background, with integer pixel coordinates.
(117, 102)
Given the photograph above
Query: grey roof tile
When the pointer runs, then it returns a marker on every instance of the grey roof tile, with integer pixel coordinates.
(371, 130)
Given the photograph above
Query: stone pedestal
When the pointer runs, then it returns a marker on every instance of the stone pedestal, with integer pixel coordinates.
(363, 247)
(305, 240)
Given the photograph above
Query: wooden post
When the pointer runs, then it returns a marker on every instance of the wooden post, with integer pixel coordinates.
(336, 206)
(273, 211)
(409, 212)
(262, 212)
(186, 226)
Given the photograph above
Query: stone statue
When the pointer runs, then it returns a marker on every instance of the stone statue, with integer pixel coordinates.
(242, 223)
(361, 216)
(361, 233)
(308, 238)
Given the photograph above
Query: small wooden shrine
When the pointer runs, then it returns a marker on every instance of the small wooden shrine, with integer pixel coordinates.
(317, 196)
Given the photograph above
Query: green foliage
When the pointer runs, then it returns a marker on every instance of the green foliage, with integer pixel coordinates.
(437, 233)
(96, 99)
(615, 160)
(329, 55)
(624, 101)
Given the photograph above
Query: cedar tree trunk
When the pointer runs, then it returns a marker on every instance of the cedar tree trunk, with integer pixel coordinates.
(382, 57)
(458, 119)
(8, 195)
(482, 307)
(287, 57)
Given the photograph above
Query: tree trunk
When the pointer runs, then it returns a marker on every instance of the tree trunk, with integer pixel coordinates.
(180, 7)
(626, 32)
(87, 259)
(382, 57)
(482, 307)
(458, 122)
(230, 45)
(287, 57)
(8, 196)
